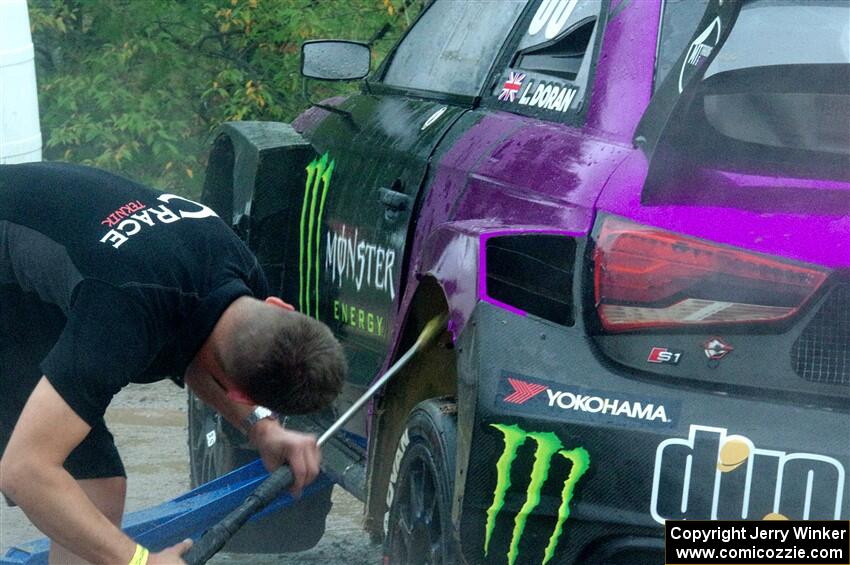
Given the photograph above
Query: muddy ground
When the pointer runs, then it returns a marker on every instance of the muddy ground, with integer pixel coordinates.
(149, 424)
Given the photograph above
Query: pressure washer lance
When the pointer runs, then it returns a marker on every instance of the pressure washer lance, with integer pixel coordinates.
(214, 538)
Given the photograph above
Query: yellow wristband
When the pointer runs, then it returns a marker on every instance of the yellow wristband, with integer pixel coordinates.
(140, 557)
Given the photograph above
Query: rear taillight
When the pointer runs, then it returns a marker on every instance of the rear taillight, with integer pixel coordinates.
(647, 277)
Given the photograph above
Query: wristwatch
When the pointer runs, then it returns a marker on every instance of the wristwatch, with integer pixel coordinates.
(257, 414)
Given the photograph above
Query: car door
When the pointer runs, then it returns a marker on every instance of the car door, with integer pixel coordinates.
(361, 191)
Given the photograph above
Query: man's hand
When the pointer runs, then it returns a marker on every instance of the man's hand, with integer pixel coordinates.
(278, 446)
(275, 444)
(171, 555)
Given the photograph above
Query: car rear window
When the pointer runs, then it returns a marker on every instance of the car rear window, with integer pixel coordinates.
(755, 110)
(780, 79)
(786, 32)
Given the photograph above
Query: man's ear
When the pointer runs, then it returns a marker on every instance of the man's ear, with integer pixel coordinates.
(275, 301)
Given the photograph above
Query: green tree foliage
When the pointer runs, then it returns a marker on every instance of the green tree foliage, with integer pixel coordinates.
(138, 86)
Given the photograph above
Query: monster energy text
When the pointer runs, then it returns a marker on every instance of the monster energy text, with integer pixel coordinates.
(358, 318)
(319, 173)
(352, 259)
(547, 446)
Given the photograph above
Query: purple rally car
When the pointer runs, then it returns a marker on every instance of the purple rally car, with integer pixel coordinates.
(636, 215)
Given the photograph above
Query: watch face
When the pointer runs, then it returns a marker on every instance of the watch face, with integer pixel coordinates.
(261, 412)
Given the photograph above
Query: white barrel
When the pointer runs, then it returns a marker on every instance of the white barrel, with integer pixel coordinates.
(20, 133)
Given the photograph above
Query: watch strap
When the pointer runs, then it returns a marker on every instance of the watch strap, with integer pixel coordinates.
(257, 414)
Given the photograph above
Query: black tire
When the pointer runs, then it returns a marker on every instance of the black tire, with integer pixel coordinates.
(296, 528)
(213, 450)
(418, 520)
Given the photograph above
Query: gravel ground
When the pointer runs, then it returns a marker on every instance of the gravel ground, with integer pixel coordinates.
(149, 424)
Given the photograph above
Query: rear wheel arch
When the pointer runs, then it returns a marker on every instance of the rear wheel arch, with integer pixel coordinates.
(432, 374)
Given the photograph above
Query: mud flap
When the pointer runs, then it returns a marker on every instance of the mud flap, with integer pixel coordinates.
(254, 178)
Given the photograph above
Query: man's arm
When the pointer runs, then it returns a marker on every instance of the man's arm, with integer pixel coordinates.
(275, 444)
(31, 473)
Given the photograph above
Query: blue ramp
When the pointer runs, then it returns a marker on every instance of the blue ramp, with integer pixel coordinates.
(187, 516)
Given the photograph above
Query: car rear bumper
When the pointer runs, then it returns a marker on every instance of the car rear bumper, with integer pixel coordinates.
(573, 459)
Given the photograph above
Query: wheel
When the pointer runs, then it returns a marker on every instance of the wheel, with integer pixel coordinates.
(418, 521)
(216, 448)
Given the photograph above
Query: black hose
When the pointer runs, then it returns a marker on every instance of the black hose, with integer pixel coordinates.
(214, 538)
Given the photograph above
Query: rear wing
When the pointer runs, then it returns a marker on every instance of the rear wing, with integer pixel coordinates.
(674, 93)
(740, 122)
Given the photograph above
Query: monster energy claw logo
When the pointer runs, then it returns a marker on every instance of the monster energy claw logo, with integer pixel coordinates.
(319, 173)
(548, 445)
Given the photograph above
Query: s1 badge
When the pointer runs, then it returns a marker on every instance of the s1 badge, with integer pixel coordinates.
(664, 355)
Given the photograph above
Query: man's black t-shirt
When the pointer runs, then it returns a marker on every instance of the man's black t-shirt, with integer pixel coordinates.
(142, 276)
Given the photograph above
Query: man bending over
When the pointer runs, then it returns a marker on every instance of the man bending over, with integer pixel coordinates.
(104, 282)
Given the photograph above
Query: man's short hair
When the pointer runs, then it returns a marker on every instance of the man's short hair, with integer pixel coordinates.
(289, 362)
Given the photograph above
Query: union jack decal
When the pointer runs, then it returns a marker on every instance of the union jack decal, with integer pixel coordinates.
(511, 87)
